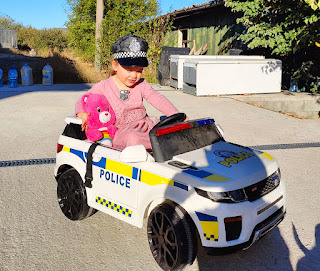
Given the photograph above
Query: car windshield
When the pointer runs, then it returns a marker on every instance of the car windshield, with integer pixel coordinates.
(172, 140)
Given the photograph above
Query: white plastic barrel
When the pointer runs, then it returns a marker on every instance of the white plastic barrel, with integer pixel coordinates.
(26, 75)
(47, 75)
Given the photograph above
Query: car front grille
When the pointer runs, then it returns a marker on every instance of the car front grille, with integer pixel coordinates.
(258, 190)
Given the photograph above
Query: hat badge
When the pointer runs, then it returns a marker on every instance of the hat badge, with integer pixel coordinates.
(134, 46)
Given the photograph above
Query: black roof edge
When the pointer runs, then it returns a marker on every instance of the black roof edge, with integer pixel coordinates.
(195, 8)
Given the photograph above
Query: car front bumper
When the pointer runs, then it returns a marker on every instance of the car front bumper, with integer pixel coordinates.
(252, 220)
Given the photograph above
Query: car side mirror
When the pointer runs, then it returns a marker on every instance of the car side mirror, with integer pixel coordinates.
(134, 154)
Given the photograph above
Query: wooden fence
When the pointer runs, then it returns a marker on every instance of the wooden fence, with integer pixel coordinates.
(8, 38)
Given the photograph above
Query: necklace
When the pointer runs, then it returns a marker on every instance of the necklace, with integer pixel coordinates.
(124, 94)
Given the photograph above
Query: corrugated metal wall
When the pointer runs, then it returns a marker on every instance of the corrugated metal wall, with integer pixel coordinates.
(171, 39)
(8, 38)
(217, 26)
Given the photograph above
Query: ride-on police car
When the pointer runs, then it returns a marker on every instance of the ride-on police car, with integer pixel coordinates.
(193, 187)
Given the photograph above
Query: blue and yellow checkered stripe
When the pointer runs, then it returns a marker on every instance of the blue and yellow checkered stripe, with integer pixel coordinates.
(210, 237)
(210, 226)
(113, 206)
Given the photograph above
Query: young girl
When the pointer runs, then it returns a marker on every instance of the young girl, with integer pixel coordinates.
(125, 90)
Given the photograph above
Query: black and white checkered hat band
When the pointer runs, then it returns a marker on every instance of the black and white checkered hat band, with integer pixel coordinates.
(129, 54)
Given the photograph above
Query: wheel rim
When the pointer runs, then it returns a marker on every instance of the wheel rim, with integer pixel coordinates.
(70, 197)
(162, 240)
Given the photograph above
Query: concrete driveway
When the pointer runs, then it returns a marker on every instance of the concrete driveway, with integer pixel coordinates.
(35, 235)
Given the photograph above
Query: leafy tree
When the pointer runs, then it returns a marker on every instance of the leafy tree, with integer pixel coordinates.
(315, 4)
(281, 25)
(289, 29)
(8, 23)
(154, 31)
(121, 17)
(81, 27)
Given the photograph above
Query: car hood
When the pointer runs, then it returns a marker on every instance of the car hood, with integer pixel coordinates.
(225, 166)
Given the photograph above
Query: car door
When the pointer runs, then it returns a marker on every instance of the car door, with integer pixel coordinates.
(113, 180)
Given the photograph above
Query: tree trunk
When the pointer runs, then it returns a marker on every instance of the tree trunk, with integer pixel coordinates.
(99, 19)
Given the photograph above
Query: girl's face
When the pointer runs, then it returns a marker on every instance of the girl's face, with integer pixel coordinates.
(127, 75)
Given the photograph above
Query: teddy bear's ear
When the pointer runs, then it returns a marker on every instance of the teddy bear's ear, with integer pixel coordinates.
(85, 98)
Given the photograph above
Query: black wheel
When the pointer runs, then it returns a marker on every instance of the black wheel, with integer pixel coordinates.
(172, 237)
(179, 117)
(72, 196)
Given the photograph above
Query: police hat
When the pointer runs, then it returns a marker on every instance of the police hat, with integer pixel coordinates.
(130, 51)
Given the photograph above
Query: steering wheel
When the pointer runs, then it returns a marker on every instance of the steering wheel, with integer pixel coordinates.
(179, 117)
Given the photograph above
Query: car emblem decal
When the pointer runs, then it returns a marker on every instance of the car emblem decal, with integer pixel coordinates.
(224, 154)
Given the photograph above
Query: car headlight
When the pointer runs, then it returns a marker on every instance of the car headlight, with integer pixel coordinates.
(219, 196)
(278, 172)
(226, 197)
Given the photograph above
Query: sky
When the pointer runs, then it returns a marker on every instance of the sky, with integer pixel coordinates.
(41, 14)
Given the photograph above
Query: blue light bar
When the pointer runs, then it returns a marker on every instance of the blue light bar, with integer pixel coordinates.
(203, 122)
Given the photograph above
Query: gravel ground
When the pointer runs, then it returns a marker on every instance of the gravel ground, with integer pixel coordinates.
(36, 236)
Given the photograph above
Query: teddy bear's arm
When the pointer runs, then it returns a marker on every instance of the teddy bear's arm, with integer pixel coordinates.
(94, 134)
(112, 130)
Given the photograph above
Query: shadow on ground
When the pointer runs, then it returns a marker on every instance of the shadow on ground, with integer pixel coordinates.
(270, 253)
(6, 92)
(310, 261)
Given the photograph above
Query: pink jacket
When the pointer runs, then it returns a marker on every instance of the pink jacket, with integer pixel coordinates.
(131, 110)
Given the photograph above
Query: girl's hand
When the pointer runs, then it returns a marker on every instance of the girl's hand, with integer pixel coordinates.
(186, 119)
(84, 116)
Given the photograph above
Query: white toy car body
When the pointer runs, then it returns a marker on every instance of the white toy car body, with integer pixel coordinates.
(227, 195)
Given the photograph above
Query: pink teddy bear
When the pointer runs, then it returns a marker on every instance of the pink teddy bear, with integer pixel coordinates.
(101, 119)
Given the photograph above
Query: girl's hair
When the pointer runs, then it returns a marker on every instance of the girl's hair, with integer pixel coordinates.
(112, 71)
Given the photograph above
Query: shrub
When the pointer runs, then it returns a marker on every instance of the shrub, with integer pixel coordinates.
(31, 38)
(42, 40)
